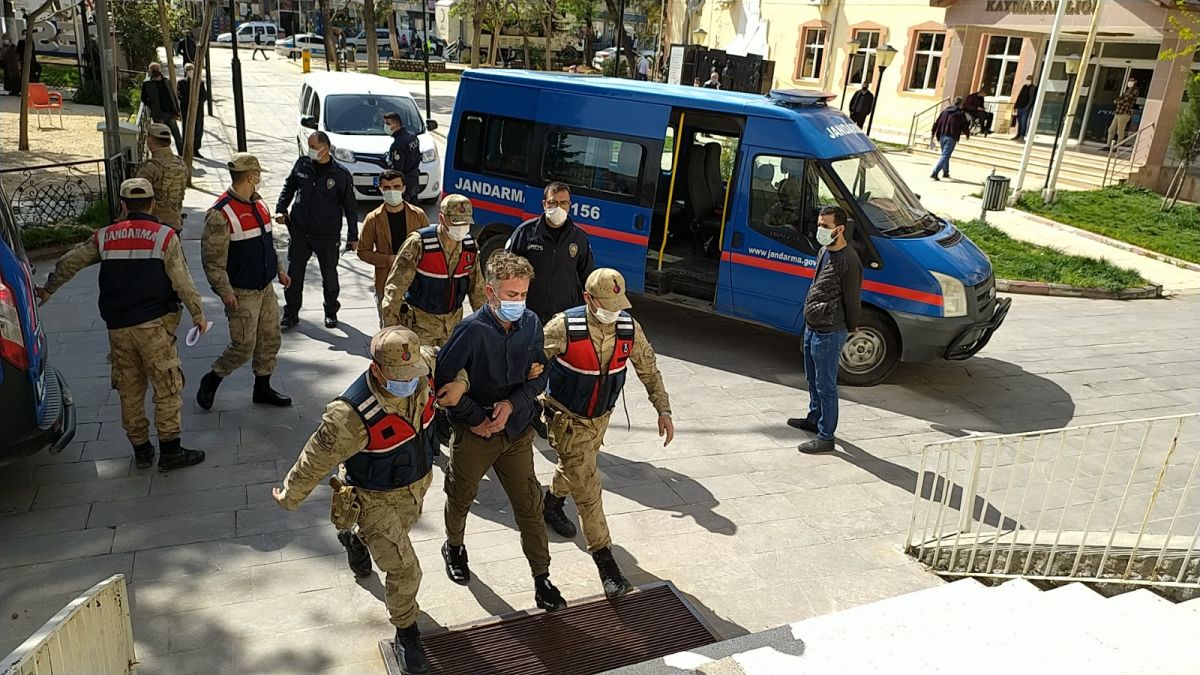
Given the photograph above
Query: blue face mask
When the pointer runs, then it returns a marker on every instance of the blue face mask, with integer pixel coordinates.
(511, 310)
(402, 388)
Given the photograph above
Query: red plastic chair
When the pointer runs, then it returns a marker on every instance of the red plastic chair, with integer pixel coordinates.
(44, 99)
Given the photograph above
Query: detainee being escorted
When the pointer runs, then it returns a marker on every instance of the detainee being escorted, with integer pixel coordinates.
(385, 229)
(831, 312)
(379, 430)
(497, 346)
(143, 276)
(435, 269)
(238, 254)
(589, 348)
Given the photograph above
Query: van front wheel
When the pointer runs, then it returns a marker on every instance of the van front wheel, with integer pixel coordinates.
(872, 353)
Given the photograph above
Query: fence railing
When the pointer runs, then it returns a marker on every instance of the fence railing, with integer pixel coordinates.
(924, 119)
(92, 634)
(1116, 502)
(53, 194)
(1125, 157)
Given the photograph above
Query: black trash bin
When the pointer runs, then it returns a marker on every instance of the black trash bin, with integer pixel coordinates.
(995, 194)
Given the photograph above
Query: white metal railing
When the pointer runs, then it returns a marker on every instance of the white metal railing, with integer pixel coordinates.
(1127, 155)
(1116, 502)
(90, 635)
(923, 118)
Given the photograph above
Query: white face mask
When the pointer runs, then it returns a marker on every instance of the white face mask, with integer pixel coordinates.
(825, 236)
(556, 215)
(1131, 85)
(314, 154)
(605, 315)
(393, 197)
(457, 232)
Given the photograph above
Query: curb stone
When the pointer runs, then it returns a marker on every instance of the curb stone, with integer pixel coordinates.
(1066, 290)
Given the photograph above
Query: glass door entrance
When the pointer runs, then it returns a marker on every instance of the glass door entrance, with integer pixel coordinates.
(1109, 83)
(1106, 76)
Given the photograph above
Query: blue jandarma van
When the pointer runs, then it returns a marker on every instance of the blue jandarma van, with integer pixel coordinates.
(710, 199)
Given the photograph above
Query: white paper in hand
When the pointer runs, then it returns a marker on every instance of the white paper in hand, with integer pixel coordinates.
(193, 335)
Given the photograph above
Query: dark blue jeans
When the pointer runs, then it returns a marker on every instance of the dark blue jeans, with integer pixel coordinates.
(1023, 120)
(943, 165)
(821, 354)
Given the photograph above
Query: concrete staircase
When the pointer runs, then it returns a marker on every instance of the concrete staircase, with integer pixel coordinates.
(1082, 170)
(967, 627)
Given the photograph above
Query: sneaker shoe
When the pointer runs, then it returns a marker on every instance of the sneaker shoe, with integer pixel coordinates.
(410, 653)
(144, 454)
(457, 568)
(816, 446)
(934, 176)
(803, 424)
(331, 322)
(289, 322)
(357, 554)
(552, 512)
(615, 584)
(546, 595)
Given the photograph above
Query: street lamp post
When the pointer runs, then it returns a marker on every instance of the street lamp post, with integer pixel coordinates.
(883, 57)
(425, 20)
(239, 111)
(852, 48)
(1072, 70)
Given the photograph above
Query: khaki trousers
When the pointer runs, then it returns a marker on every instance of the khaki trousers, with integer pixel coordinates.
(577, 441)
(384, 521)
(141, 355)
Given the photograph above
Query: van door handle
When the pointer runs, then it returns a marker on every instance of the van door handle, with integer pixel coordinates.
(738, 240)
(639, 223)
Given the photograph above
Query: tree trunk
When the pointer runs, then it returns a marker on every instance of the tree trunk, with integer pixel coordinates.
(547, 26)
(166, 40)
(393, 43)
(327, 32)
(476, 36)
(27, 64)
(372, 39)
(189, 126)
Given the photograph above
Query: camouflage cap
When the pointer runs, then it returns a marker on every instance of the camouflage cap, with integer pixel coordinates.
(458, 210)
(243, 161)
(160, 131)
(397, 352)
(136, 188)
(607, 287)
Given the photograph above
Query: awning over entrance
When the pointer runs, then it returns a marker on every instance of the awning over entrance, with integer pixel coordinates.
(1122, 19)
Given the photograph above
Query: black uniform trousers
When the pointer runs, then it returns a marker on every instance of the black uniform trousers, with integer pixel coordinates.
(300, 249)
(412, 187)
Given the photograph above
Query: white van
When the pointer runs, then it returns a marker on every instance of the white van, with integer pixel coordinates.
(246, 32)
(350, 108)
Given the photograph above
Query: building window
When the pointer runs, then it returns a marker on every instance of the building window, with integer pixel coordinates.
(862, 64)
(812, 61)
(927, 61)
(1000, 66)
(590, 162)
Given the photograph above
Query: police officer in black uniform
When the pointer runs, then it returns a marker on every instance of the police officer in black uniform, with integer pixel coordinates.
(559, 251)
(404, 155)
(324, 194)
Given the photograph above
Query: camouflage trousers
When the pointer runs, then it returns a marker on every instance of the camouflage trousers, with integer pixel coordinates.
(384, 521)
(432, 329)
(145, 355)
(577, 441)
(470, 458)
(253, 332)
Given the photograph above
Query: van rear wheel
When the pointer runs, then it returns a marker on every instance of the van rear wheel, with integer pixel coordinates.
(872, 353)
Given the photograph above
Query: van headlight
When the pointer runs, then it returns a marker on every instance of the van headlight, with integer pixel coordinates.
(954, 295)
(343, 155)
(429, 155)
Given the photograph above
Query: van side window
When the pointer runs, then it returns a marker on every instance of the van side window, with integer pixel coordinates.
(784, 192)
(590, 162)
(315, 108)
(470, 142)
(507, 144)
(668, 155)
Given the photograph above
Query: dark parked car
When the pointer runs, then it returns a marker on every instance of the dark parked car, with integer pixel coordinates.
(36, 411)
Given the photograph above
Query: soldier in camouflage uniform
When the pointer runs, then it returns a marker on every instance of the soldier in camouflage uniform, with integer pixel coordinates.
(240, 262)
(142, 278)
(435, 269)
(168, 175)
(588, 348)
(380, 430)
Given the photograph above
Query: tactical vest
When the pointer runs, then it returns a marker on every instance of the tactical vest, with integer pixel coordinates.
(252, 264)
(576, 380)
(436, 289)
(396, 454)
(134, 286)
(168, 191)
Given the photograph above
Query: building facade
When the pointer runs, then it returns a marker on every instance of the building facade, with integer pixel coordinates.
(948, 48)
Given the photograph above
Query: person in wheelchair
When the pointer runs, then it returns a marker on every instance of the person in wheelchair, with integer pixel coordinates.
(973, 106)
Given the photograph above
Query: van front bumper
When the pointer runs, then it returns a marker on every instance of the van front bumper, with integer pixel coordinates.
(926, 338)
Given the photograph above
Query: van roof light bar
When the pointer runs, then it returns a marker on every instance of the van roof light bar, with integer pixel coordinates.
(794, 98)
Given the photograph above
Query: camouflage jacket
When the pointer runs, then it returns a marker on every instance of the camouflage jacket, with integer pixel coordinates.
(169, 176)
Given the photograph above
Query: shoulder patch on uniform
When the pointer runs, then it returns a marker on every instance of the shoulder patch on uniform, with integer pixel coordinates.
(326, 436)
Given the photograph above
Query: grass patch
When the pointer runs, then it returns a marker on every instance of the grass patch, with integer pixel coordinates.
(1128, 214)
(889, 147)
(1020, 261)
(92, 219)
(60, 77)
(405, 75)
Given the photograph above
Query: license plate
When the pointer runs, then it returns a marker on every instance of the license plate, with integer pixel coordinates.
(375, 182)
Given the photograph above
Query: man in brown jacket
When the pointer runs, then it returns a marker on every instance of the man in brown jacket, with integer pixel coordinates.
(386, 228)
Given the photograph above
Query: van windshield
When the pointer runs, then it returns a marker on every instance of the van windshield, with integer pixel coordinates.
(362, 114)
(884, 198)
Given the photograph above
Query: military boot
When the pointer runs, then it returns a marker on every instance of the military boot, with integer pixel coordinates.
(410, 653)
(172, 455)
(552, 512)
(208, 390)
(615, 583)
(263, 393)
(546, 595)
(457, 567)
(357, 553)
(144, 454)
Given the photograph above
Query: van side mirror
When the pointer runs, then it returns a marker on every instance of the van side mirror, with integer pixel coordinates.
(431, 125)
(917, 196)
(308, 122)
